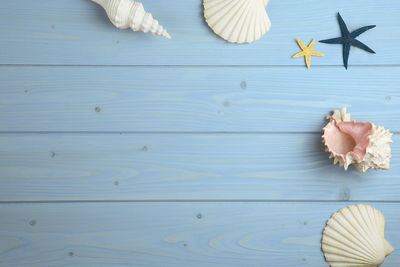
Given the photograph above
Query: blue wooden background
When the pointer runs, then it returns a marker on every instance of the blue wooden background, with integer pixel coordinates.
(126, 149)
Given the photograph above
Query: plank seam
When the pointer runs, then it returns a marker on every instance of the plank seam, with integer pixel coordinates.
(194, 201)
(199, 66)
(155, 132)
(160, 132)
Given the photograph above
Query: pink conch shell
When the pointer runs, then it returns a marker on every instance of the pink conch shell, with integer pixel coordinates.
(359, 143)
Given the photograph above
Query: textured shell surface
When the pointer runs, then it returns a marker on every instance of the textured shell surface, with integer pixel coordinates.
(361, 144)
(354, 236)
(237, 21)
(125, 14)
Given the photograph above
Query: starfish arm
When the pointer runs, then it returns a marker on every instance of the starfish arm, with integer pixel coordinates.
(343, 27)
(311, 45)
(346, 52)
(308, 61)
(361, 30)
(362, 46)
(300, 54)
(339, 40)
(302, 46)
(318, 54)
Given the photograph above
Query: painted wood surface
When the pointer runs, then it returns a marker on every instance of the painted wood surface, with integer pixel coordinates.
(126, 149)
(183, 167)
(193, 99)
(173, 234)
(78, 32)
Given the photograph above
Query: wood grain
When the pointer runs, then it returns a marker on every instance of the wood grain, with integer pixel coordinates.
(183, 167)
(172, 234)
(78, 32)
(194, 99)
(127, 149)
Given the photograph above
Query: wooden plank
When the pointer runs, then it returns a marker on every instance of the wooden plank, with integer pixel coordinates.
(183, 167)
(173, 234)
(191, 99)
(78, 32)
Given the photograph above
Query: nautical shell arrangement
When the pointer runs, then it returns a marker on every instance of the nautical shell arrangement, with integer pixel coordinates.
(362, 144)
(237, 21)
(355, 236)
(126, 14)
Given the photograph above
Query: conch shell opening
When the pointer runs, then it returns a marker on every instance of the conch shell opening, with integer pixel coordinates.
(359, 143)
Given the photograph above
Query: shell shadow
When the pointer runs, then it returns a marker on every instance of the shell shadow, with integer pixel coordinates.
(205, 24)
(319, 146)
(216, 36)
(100, 19)
(100, 15)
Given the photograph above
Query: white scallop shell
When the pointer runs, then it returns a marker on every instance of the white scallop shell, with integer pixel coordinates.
(354, 236)
(126, 14)
(237, 21)
(375, 143)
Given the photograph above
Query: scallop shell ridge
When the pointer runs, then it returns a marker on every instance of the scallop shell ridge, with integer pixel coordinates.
(237, 21)
(354, 236)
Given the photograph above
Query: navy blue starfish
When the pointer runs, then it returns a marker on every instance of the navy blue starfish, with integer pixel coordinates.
(348, 39)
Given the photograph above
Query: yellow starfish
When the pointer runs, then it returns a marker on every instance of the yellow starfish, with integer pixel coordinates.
(307, 52)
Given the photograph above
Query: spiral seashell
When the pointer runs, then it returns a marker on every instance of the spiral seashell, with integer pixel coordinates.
(126, 14)
(237, 21)
(362, 144)
(355, 236)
